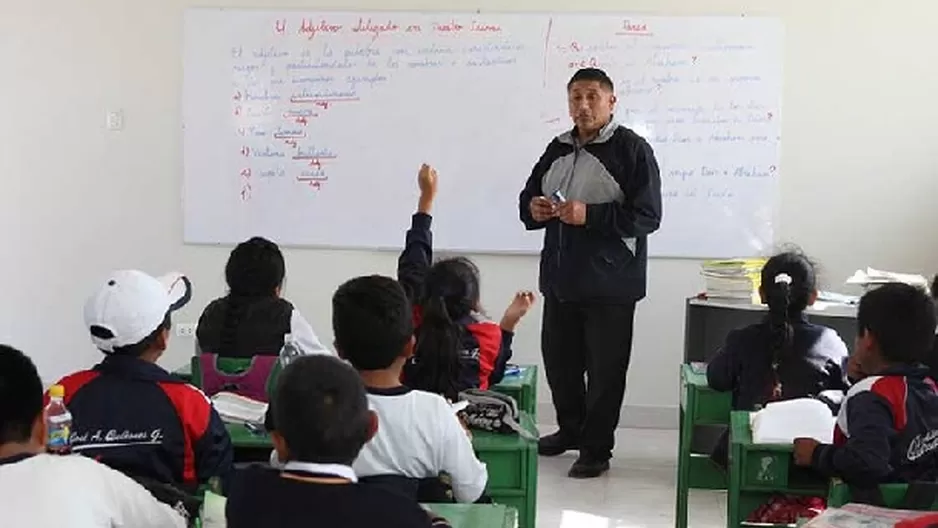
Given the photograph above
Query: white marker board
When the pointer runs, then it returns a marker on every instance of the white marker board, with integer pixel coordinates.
(309, 127)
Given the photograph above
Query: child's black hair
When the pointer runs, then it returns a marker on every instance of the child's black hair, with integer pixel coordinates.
(902, 320)
(321, 410)
(372, 321)
(20, 396)
(592, 74)
(136, 349)
(788, 281)
(934, 288)
(450, 293)
(255, 270)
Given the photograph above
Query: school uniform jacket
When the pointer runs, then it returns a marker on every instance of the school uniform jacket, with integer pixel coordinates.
(485, 347)
(818, 362)
(144, 422)
(616, 176)
(887, 431)
(259, 328)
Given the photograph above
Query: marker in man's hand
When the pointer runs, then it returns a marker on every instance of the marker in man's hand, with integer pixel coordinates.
(557, 197)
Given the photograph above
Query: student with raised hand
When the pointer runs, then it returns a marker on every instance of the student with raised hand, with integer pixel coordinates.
(130, 413)
(252, 319)
(420, 436)
(888, 423)
(38, 489)
(458, 348)
(323, 416)
(784, 357)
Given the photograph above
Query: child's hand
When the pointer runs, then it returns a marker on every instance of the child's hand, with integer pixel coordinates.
(804, 451)
(518, 308)
(426, 180)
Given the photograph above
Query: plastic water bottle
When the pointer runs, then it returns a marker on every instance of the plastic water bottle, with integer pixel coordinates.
(58, 422)
(290, 351)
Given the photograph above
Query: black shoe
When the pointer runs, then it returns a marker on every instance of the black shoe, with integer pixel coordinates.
(555, 445)
(587, 467)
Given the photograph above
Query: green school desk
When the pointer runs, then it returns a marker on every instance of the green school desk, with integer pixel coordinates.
(469, 515)
(700, 405)
(758, 471)
(511, 461)
(521, 387)
(476, 515)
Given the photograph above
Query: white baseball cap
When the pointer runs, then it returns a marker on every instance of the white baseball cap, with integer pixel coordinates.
(132, 305)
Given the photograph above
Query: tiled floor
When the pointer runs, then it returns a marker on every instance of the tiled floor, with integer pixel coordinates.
(638, 492)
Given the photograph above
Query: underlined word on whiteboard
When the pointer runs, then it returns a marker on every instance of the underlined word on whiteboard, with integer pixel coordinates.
(308, 127)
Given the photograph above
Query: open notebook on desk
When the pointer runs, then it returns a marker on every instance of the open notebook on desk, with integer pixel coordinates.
(237, 409)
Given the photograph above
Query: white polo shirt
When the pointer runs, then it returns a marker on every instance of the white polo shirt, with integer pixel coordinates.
(419, 436)
(76, 491)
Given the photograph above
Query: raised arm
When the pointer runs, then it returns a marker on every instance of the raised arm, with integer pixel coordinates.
(415, 259)
(640, 213)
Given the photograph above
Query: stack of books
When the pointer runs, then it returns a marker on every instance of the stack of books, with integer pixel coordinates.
(736, 279)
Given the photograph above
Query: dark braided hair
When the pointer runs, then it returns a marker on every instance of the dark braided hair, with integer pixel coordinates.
(788, 282)
(255, 270)
(450, 293)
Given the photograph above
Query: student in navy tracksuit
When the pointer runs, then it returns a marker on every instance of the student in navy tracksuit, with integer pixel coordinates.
(129, 413)
(887, 428)
(931, 361)
(457, 347)
(783, 357)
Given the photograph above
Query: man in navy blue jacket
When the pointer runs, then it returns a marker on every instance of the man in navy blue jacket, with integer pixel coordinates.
(596, 192)
(129, 413)
(887, 428)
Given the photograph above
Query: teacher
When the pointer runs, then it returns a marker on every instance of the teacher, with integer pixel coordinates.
(597, 194)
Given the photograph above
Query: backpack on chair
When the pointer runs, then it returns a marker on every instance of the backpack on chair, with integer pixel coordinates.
(248, 377)
(493, 412)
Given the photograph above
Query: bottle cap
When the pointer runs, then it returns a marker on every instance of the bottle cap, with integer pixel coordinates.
(57, 391)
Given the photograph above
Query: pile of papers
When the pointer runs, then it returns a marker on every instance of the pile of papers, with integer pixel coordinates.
(782, 422)
(234, 408)
(871, 278)
(861, 516)
(733, 279)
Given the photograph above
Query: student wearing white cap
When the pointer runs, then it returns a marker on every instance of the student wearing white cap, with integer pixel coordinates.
(127, 411)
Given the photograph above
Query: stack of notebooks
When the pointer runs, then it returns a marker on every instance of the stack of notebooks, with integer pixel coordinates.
(736, 279)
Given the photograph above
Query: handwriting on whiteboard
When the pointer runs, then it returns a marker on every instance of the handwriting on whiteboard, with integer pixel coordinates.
(319, 66)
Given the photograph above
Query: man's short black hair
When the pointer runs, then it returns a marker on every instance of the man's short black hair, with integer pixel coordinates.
(20, 396)
(321, 410)
(372, 320)
(592, 74)
(902, 319)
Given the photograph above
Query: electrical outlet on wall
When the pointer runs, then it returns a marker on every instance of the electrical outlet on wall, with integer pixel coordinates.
(185, 329)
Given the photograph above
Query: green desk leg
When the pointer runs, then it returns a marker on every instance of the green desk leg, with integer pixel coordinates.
(732, 496)
(688, 402)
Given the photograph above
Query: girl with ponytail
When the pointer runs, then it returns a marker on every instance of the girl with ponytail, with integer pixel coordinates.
(458, 348)
(252, 319)
(784, 357)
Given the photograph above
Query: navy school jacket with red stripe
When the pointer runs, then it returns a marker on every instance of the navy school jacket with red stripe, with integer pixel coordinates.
(887, 431)
(485, 347)
(139, 419)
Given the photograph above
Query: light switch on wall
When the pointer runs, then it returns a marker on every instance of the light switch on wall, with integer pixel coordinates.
(115, 120)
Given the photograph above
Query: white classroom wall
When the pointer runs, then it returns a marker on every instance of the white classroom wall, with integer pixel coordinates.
(859, 184)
